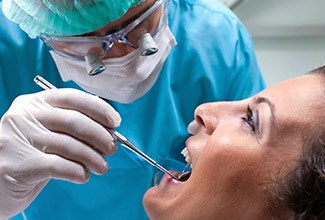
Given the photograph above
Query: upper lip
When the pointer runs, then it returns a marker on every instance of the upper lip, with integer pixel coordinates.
(195, 144)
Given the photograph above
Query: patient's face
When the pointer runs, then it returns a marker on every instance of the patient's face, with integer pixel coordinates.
(239, 149)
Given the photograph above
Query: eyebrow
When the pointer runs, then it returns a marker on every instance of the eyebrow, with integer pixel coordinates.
(259, 100)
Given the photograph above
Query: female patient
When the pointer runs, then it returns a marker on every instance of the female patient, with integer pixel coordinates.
(260, 158)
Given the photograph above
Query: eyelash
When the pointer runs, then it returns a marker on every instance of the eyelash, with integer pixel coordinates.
(249, 119)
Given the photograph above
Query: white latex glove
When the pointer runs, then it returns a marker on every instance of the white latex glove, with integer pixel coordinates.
(56, 134)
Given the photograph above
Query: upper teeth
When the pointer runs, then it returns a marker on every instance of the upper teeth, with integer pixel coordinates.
(186, 155)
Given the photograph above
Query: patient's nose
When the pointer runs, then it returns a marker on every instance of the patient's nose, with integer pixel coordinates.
(211, 114)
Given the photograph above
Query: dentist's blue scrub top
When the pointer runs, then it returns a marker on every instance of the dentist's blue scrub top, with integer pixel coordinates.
(214, 60)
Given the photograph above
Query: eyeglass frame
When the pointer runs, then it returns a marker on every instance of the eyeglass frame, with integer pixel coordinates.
(117, 36)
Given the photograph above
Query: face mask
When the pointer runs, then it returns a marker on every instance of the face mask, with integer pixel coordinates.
(125, 78)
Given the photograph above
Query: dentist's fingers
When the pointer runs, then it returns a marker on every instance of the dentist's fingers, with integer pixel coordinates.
(87, 104)
(74, 150)
(49, 166)
(59, 168)
(81, 127)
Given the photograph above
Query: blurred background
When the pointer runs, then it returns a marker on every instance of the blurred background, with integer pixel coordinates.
(289, 35)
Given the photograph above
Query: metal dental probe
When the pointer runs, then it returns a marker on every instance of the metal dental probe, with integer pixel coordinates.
(120, 138)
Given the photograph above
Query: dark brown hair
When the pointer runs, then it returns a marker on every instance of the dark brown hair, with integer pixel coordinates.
(303, 190)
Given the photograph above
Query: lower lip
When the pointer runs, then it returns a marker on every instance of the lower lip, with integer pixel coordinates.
(168, 179)
(168, 184)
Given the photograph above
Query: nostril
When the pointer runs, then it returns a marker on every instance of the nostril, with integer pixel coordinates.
(199, 120)
(206, 117)
(206, 120)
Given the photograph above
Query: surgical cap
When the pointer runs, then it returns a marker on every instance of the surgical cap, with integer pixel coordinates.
(64, 17)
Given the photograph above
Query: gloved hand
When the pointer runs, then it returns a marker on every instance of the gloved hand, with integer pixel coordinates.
(58, 134)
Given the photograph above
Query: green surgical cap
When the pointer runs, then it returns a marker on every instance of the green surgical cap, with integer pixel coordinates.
(64, 17)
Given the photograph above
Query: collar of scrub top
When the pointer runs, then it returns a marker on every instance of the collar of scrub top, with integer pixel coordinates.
(94, 64)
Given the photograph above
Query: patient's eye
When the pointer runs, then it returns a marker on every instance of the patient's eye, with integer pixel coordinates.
(251, 119)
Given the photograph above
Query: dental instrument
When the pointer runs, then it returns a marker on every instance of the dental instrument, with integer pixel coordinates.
(182, 176)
